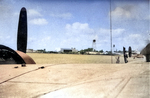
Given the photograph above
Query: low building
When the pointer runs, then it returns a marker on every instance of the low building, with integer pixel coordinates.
(29, 50)
(67, 50)
(93, 53)
(74, 50)
(41, 51)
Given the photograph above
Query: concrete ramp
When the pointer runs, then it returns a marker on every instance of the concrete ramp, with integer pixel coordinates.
(75, 81)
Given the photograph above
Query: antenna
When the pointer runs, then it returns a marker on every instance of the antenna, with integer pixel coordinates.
(22, 31)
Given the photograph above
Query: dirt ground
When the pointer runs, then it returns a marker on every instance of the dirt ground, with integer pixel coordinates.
(41, 58)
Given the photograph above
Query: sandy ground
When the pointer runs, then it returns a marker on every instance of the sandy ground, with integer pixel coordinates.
(129, 80)
(45, 58)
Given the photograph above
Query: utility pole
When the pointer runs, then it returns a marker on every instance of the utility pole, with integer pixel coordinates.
(111, 33)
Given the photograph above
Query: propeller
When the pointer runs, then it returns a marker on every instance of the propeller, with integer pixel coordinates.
(8, 55)
(22, 31)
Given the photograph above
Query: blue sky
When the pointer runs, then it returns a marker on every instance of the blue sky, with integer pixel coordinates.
(55, 24)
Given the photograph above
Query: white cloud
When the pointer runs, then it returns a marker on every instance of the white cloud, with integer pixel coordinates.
(121, 13)
(78, 33)
(147, 17)
(95, 36)
(39, 42)
(78, 28)
(82, 33)
(46, 39)
(134, 40)
(31, 39)
(106, 32)
(7, 37)
(57, 49)
(138, 12)
(36, 18)
(38, 21)
(62, 15)
(117, 32)
(102, 31)
(32, 12)
(16, 14)
(135, 36)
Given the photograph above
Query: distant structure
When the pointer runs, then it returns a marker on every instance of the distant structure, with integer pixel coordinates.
(94, 44)
(67, 50)
(130, 51)
(134, 52)
(29, 50)
(36, 51)
(113, 49)
(41, 50)
(125, 55)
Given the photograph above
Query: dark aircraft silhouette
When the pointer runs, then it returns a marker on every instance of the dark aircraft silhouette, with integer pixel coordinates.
(8, 55)
(146, 52)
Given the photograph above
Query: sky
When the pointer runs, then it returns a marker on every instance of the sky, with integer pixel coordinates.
(55, 24)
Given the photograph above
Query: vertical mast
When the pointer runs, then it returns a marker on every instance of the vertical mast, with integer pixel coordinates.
(111, 33)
